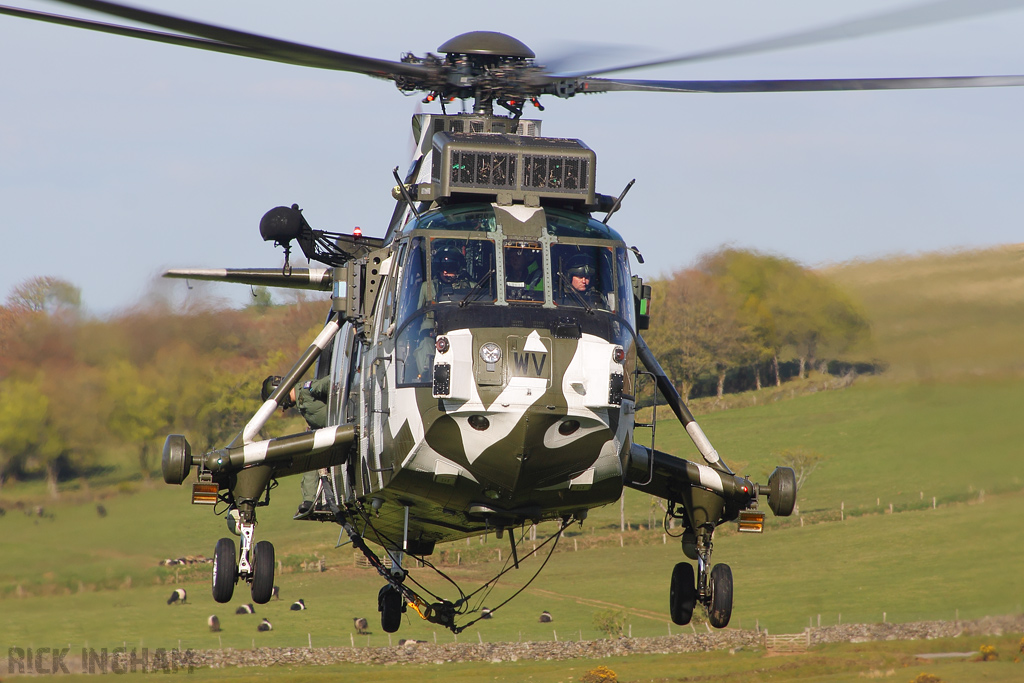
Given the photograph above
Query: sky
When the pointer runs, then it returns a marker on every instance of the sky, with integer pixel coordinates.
(120, 158)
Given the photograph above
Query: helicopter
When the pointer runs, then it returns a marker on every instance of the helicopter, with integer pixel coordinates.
(484, 354)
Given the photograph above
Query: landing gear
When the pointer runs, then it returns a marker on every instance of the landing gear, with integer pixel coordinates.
(225, 570)
(263, 572)
(713, 587)
(683, 595)
(252, 562)
(391, 605)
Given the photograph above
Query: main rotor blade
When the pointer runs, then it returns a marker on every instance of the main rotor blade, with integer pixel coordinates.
(131, 32)
(910, 17)
(587, 85)
(220, 39)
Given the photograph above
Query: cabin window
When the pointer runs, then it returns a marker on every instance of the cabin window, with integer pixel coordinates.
(582, 276)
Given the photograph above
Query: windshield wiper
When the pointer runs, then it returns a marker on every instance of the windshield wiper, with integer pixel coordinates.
(476, 288)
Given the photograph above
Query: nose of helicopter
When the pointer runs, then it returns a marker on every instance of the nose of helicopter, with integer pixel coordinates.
(545, 427)
(520, 452)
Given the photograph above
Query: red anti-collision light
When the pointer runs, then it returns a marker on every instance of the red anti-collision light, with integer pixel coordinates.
(442, 345)
(358, 232)
(618, 355)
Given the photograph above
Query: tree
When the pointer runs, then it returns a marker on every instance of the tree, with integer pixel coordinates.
(786, 306)
(75, 420)
(803, 462)
(678, 334)
(43, 427)
(23, 411)
(745, 277)
(816, 317)
(138, 412)
(45, 295)
(610, 622)
(261, 299)
(697, 331)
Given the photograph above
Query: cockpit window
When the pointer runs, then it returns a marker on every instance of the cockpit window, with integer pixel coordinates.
(474, 218)
(462, 270)
(524, 271)
(583, 276)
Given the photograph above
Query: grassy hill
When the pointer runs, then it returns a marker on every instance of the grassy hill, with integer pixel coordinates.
(943, 314)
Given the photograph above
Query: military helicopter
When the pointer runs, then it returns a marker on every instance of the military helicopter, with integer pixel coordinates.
(485, 354)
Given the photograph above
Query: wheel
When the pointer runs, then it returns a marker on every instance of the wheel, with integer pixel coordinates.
(683, 594)
(782, 491)
(720, 608)
(225, 570)
(262, 572)
(391, 606)
(176, 461)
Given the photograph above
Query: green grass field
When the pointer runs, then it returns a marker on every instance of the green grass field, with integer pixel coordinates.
(96, 580)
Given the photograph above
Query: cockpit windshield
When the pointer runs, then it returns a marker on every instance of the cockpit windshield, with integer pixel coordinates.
(470, 254)
(462, 270)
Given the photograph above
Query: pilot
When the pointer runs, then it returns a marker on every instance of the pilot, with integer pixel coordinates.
(523, 274)
(578, 280)
(450, 281)
(311, 401)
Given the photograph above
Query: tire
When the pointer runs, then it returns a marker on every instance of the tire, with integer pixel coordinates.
(683, 594)
(262, 572)
(389, 602)
(720, 609)
(225, 570)
(782, 491)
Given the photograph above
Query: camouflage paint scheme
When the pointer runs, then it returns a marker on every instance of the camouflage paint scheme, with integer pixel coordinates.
(418, 449)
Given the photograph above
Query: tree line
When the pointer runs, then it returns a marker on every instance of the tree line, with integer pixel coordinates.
(75, 391)
(742, 311)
